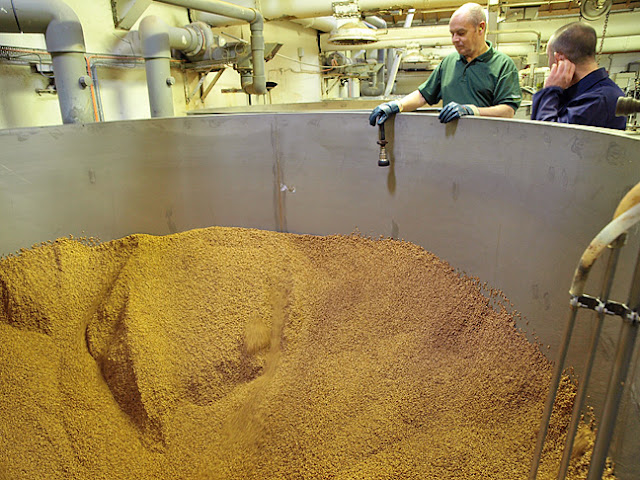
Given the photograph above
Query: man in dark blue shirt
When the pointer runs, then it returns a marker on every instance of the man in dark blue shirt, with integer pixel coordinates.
(577, 90)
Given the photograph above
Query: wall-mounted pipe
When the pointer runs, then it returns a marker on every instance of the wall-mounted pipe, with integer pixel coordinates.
(377, 85)
(65, 42)
(157, 39)
(255, 19)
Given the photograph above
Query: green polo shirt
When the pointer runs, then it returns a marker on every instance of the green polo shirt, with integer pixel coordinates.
(488, 80)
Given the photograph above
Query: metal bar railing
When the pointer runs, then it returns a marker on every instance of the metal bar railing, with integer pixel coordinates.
(613, 235)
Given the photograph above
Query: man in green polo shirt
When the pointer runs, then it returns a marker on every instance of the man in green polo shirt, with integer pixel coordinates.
(477, 80)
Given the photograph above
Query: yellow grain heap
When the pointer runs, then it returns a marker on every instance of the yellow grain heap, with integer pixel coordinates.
(228, 353)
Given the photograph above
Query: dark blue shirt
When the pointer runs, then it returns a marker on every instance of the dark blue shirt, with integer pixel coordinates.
(591, 101)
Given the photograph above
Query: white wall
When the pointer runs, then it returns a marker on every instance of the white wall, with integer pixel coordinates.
(123, 90)
(297, 82)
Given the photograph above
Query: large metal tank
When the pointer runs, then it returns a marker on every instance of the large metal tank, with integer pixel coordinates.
(512, 202)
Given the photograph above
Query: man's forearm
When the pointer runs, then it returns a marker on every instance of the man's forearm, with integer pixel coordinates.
(504, 111)
(412, 102)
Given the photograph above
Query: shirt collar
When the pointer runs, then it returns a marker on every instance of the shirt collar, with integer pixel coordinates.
(481, 58)
(588, 81)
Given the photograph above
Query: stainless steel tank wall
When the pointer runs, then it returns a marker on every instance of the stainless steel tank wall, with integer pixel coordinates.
(512, 202)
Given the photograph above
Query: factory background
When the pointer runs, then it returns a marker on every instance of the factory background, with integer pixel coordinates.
(310, 59)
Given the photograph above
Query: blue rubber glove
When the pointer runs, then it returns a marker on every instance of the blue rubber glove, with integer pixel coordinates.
(453, 111)
(382, 112)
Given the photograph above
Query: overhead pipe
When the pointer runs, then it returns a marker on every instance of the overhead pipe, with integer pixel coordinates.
(515, 47)
(258, 85)
(288, 9)
(65, 42)
(217, 20)
(322, 24)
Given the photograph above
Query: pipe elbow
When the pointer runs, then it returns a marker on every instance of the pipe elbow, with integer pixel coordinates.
(254, 84)
(258, 20)
(154, 37)
(55, 19)
(259, 84)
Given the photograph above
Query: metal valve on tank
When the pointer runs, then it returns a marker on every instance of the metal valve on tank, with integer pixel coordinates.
(383, 161)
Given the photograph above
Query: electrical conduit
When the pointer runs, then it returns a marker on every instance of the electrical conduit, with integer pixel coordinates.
(65, 42)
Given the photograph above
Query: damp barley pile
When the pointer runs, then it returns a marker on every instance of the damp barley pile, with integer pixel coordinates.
(228, 353)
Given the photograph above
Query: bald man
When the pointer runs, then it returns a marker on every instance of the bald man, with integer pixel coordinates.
(577, 90)
(477, 80)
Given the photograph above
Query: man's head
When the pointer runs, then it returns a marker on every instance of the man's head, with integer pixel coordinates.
(468, 26)
(575, 42)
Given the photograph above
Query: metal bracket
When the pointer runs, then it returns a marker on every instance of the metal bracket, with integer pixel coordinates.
(346, 9)
(606, 308)
(201, 82)
(127, 12)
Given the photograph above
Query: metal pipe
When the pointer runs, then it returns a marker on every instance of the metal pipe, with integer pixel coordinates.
(533, 32)
(377, 85)
(631, 198)
(393, 72)
(251, 15)
(65, 42)
(258, 86)
(578, 402)
(286, 9)
(624, 355)
(322, 24)
(605, 237)
(551, 394)
(156, 49)
(399, 54)
(376, 21)
(216, 20)
(623, 38)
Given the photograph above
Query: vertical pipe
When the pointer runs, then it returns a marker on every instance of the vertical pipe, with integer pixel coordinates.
(159, 85)
(65, 42)
(154, 35)
(259, 85)
(624, 354)
(75, 99)
(392, 73)
(396, 61)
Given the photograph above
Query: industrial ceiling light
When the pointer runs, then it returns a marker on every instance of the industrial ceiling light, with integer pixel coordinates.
(351, 30)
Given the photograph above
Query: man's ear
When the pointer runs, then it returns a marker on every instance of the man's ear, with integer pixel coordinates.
(559, 56)
(482, 27)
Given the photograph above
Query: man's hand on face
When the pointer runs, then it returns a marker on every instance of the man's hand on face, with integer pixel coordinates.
(561, 74)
